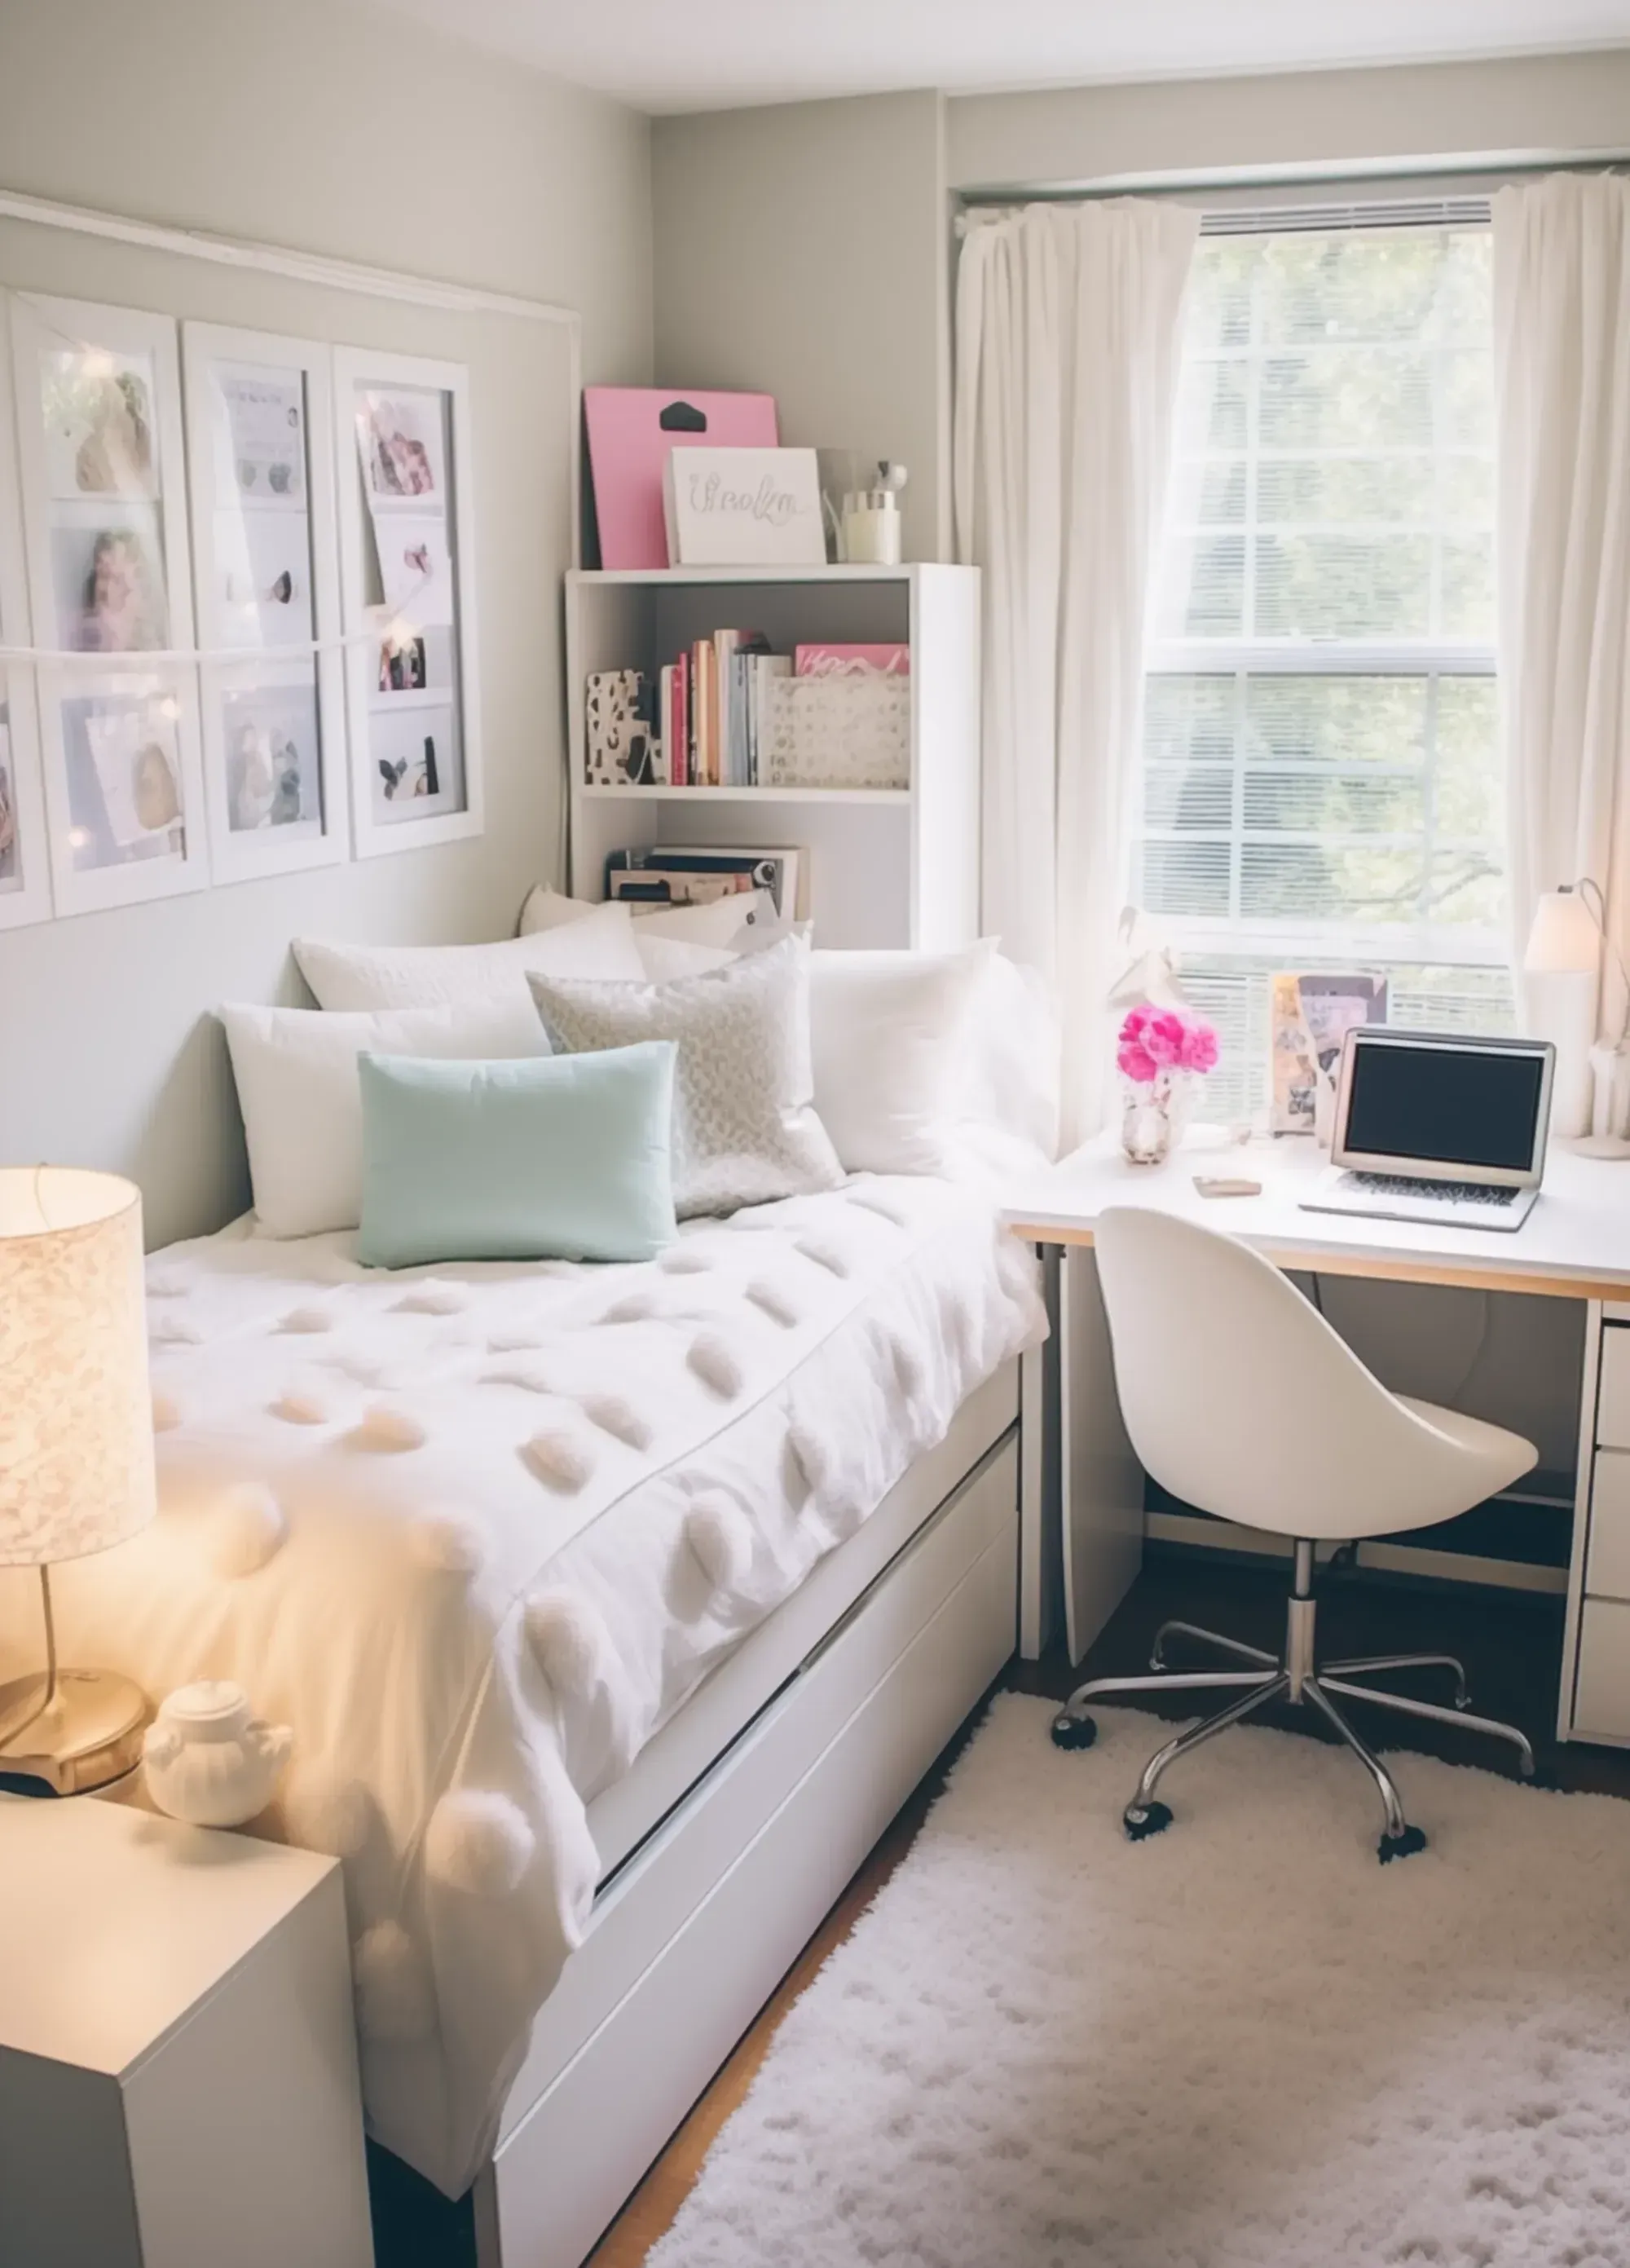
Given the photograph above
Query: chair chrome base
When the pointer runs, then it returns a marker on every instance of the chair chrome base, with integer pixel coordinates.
(1296, 1676)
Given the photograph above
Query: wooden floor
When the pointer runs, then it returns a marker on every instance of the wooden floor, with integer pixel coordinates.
(1511, 1646)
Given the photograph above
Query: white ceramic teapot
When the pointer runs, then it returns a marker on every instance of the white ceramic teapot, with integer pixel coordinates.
(208, 1762)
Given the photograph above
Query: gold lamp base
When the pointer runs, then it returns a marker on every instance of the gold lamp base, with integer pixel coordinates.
(78, 1732)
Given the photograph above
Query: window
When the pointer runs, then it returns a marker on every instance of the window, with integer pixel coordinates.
(1320, 777)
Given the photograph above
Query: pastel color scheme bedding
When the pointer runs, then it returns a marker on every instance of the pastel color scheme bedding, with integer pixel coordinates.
(477, 1495)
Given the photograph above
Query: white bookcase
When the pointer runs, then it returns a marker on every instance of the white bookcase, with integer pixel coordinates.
(895, 866)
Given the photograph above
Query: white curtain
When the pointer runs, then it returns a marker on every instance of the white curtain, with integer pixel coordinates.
(1068, 348)
(1562, 363)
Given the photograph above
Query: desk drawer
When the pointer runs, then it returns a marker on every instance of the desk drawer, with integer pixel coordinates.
(1612, 1406)
(1607, 1568)
(1602, 1693)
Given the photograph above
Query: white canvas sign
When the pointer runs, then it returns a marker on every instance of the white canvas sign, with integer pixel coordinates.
(744, 508)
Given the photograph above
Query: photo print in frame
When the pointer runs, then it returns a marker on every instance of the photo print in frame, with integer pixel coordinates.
(25, 860)
(260, 425)
(402, 428)
(104, 489)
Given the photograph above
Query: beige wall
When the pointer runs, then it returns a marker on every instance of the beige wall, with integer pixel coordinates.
(280, 124)
(1547, 105)
(802, 250)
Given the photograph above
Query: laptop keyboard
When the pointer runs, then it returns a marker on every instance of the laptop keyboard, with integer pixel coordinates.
(1399, 1185)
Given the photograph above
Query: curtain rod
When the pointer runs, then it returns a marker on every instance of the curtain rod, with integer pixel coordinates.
(1239, 183)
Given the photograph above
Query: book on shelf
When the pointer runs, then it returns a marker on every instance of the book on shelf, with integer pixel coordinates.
(676, 719)
(689, 873)
(665, 720)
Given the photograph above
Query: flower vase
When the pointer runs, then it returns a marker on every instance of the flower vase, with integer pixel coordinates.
(1154, 1113)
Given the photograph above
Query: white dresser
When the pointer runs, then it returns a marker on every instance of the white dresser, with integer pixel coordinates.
(1596, 1668)
(178, 2065)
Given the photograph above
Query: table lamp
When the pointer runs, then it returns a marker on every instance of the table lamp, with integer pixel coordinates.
(76, 1446)
(1561, 972)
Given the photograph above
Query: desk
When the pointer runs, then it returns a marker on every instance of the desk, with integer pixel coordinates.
(1574, 1245)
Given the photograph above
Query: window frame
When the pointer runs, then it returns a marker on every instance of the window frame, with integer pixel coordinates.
(1288, 940)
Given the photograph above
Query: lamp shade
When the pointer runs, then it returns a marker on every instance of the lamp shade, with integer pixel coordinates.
(76, 1412)
(1564, 941)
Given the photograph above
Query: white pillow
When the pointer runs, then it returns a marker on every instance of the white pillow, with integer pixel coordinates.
(301, 1098)
(718, 923)
(369, 976)
(888, 1032)
(665, 958)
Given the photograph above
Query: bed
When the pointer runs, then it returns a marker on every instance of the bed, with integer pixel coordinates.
(615, 1609)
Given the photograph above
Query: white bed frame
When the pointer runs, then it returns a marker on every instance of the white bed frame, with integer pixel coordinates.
(738, 1826)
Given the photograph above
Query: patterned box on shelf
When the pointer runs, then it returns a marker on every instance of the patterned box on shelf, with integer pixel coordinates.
(622, 750)
(837, 732)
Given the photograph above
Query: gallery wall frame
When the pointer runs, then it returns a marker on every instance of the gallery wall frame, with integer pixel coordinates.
(404, 460)
(46, 688)
(97, 403)
(25, 855)
(261, 451)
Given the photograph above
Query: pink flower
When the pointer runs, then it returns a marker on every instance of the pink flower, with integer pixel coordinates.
(1153, 1039)
(1164, 1036)
(1137, 1062)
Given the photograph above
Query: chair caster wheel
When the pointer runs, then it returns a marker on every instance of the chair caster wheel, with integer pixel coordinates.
(1142, 1819)
(1400, 1846)
(1073, 1732)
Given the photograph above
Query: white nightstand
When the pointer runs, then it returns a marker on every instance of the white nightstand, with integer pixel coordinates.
(178, 2066)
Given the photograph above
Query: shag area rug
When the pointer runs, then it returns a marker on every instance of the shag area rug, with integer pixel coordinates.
(1243, 2043)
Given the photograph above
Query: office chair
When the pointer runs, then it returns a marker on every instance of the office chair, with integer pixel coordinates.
(1241, 1400)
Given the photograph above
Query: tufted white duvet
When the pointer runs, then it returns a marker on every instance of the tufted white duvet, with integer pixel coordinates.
(475, 1533)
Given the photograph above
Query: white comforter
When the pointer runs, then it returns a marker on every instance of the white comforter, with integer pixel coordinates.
(475, 1533)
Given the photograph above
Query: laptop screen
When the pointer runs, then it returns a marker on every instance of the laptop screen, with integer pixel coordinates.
(1448, 1106)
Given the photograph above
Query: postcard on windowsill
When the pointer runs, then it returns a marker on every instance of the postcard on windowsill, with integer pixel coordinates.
(1312, 1015)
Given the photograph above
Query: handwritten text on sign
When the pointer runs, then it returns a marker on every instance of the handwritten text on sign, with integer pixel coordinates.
(744, 508)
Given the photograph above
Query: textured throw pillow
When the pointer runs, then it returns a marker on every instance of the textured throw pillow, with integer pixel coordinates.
(745, 1130)
(563, 1157)
(890, 1032)
(368, 977)
(295, 1069)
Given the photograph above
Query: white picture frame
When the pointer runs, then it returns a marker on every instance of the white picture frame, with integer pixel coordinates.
(404, 471)
(266, 568)
(104, 487)
(744, 508)
(25, 850)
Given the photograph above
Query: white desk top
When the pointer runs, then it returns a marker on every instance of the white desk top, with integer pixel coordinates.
(114, 1922)
(1575, 1243)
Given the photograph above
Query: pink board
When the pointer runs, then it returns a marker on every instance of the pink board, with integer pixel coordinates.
(631, 429)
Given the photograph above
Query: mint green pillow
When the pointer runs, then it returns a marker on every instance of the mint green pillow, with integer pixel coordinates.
(544, 1158)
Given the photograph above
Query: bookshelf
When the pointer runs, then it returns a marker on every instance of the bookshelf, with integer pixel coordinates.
(882, 867)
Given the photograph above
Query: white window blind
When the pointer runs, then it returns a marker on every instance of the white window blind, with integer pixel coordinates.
(1320, 783)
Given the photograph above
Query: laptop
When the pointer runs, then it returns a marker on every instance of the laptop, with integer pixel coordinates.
(1438, 1128)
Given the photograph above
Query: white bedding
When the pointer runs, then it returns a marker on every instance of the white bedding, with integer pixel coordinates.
(476, 1532)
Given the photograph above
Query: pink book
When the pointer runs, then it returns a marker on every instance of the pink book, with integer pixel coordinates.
(631, 429)
(851, 660)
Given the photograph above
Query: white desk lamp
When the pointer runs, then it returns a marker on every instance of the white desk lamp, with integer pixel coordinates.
(1561, 982)
(76, 1446)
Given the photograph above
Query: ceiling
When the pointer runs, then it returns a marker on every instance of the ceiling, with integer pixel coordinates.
(705, 54)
